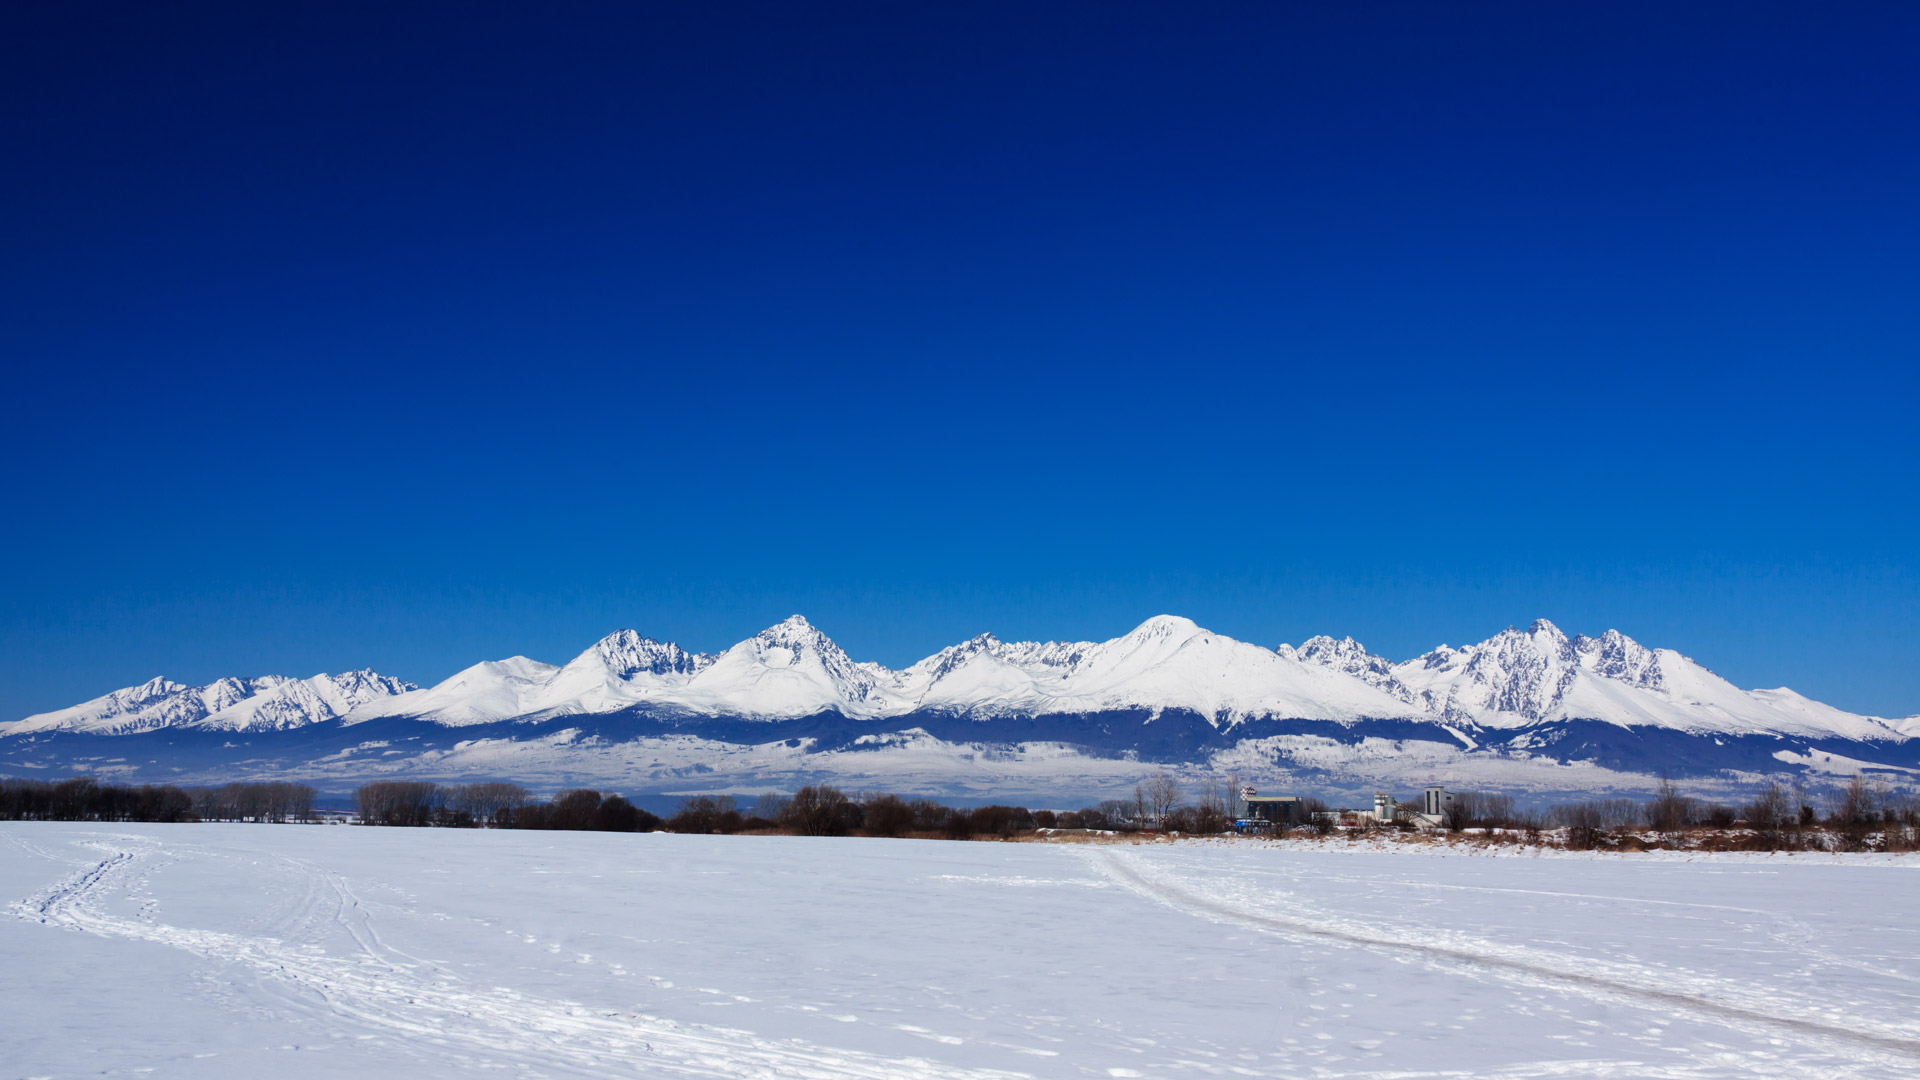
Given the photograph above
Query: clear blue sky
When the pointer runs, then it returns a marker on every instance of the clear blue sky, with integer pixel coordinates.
(405, 336)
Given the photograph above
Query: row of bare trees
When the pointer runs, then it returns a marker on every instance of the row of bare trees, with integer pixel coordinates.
(1860, 814)
(824, 810)
(83, 798)
(419, 803)
(275, 801)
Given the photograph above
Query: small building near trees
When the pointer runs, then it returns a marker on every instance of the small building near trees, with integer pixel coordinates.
(1434, 804)
(1255, 812)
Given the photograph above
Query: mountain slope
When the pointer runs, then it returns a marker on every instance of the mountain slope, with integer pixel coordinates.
(489, 691)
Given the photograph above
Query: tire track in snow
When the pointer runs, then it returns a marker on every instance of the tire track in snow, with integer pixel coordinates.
(1123, 870)
(378, 991)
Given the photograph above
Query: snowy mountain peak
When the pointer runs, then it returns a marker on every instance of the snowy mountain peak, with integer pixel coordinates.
(626, 653)
(1338, 651)
(947, 660)
(793, 628)
(1165, 627)
(788, 669)
(1525, 674)
(793, 638)
(1614, 655)
(156, 687)
(1349, 657)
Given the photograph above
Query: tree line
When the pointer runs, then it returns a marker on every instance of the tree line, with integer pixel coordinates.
(418, 803)
(83, 798)
(814, 810)
(1860, 815)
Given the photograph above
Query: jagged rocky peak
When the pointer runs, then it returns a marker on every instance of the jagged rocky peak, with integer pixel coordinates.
(792, 631)
(1525, 673)
(796, 635)
(1614, 655)
(627, 653)
(1549, 638)
(943, 663)
(1352, 658)
(157, 687)
(1336, 652)
(367, 684)
(223, 693)
(1341, 654)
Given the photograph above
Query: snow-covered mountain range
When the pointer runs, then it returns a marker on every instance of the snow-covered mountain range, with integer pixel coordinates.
(1517, 678)
(793, 670)
(267, 703)
(1532, 695)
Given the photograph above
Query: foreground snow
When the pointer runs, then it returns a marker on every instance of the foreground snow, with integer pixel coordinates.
(298, 952)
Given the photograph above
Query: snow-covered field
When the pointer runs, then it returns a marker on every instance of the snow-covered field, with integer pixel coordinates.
(296, 952)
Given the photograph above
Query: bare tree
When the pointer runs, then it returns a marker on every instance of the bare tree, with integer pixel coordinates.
(1856, 811)
(392, 802)
(1770, 814)
(706, 814)
(1588, 823)
(1120, 813)
(1162, 794)
(1314, 814)
(1214, 811)
(1854, 805)
(928, 815)
(819, 810)
(1669, 811)
(486, 803)
(771, 806)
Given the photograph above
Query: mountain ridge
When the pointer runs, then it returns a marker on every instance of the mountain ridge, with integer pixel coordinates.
(1512, 681)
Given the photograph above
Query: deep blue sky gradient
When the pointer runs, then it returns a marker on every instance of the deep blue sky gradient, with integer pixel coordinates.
(405, 336)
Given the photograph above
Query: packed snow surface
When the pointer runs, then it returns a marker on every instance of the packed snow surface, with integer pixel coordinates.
(305, 952)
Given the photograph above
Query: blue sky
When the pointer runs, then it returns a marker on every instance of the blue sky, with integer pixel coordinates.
(340, 336)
